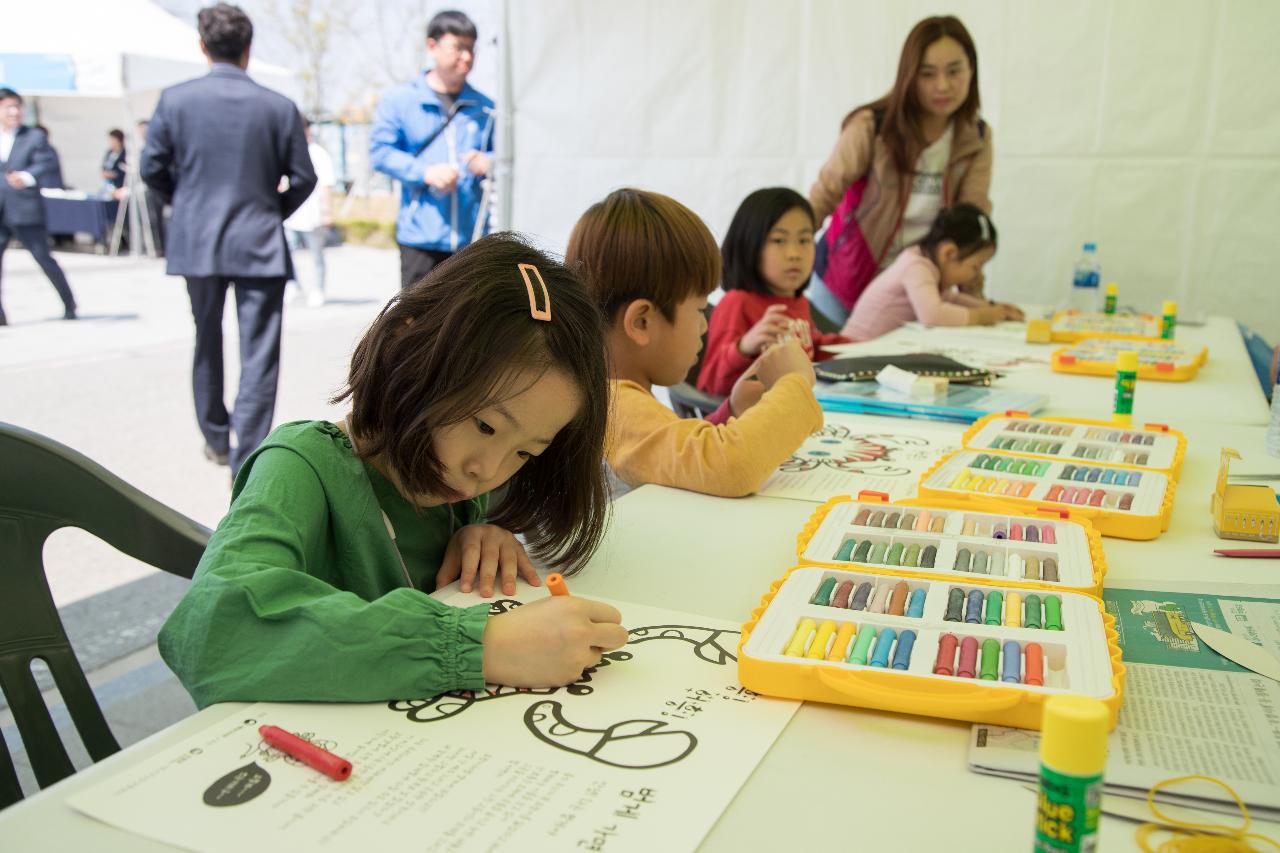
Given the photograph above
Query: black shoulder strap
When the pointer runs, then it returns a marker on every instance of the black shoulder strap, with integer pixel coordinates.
(448, 117)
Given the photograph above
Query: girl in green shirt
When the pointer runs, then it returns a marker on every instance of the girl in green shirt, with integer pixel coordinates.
(490, 370)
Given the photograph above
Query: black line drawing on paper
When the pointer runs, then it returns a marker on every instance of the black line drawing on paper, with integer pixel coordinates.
(630, 744)
(841, 448)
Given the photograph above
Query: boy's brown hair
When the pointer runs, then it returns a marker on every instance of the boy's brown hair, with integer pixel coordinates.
(643, 245)
(451, 345)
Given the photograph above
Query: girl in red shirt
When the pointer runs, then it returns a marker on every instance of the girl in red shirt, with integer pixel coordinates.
(768, 256)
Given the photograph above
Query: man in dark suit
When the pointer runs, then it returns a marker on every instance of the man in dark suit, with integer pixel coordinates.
(218, 147)
(26, 159)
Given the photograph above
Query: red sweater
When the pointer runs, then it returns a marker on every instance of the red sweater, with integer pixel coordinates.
(734, 315)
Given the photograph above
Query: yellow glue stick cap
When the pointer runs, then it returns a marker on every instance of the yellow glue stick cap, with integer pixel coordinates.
(1112, 288)
(1073, 735)
(1170, 307)
(1127, 361)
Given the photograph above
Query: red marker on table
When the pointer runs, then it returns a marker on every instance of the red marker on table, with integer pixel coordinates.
(306, 752)
(556, 584)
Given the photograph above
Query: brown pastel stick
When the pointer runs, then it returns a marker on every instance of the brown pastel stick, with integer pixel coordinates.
(898, 601)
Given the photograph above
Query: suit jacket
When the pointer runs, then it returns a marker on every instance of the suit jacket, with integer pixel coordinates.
(217, 147)
(31, 153)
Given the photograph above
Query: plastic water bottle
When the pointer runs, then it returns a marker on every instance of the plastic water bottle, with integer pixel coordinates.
(1273, 429)
(1085, 280)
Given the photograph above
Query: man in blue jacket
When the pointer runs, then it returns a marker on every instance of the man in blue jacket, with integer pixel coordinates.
(434, 135)
(218, 147)
(26, 161)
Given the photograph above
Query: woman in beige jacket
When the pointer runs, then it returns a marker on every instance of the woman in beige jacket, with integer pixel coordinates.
(900, 160)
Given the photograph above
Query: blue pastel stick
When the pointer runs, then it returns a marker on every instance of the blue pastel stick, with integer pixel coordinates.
(1094, 474)
(1135, 478)
(1107, 477)
(1080, 474)
(973, 609)
(884, 642)
(915, 606)
(902, 655)
(1012, 662)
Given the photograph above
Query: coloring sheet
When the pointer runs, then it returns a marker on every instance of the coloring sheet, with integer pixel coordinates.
(642, 753)
(1016, 358)
(856, 452)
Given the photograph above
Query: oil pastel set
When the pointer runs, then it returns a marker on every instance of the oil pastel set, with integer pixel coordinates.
(955, 541)
(1071, 326)
(1078, 440)
(969, 649)
(1129, 503)
(1164, 361)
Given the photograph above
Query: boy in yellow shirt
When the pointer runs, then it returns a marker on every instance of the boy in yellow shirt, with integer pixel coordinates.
(651, 263)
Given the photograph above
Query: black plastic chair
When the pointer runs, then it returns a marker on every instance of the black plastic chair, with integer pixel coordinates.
(686, 399)
(45, 486)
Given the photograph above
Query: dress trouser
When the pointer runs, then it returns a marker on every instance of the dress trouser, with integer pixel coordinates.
(259, 303)
(36, 241)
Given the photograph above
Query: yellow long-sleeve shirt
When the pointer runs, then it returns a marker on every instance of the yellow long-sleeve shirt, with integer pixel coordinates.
(649, 443)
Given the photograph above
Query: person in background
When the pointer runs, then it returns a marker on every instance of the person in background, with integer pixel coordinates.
(25, 160)
(309, 224)
(899, 161)
(768, 258)
(113, 162)
(651, 262)
(52, 179)
(926, 282)
(434, 135)
(218, 146)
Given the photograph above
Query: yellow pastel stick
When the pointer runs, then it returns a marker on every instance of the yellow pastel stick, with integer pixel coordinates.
(975, 485)
(818, 648)
(958, 481)
(968, 527)
(990, 485)
(1002, 487)
(1012, 610)
(800, 638)
(841, 644)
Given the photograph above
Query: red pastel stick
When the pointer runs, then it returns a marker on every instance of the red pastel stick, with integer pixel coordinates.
(306, 752)
(1270, 553)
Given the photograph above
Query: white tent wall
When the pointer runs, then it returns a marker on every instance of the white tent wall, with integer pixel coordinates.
(1145, 125)
(78, 131)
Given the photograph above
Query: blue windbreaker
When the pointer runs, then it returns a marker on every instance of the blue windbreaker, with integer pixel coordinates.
(407, 116)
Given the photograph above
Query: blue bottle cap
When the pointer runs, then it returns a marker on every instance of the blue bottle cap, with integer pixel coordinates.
(1091, 247)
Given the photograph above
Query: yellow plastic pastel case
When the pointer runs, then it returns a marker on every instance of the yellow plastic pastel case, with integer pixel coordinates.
(1129, 503)
(956, 540)
(805, 642)
(1071, 326)
(1080, 440)
(1164, 361)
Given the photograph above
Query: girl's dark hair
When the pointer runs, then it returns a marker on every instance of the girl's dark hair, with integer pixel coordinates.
(743, 242)
(964, 224)
(455, 343)
(898, 113)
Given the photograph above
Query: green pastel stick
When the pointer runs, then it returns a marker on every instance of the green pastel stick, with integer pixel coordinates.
(1052, 613)
(1031, 611)
(912, 557)
(846, 549)
(995, 606)
(990, 660)
(823, 595)
(862, 645)
(877, 553)
(864, 548)
(894, 557)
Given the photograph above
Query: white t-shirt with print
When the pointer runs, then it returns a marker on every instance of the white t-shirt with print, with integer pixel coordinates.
(925, 200)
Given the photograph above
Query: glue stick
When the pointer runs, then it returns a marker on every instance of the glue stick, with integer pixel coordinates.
(1073, 753)
(1109, 306)
(1170, 319)
(1126, 381)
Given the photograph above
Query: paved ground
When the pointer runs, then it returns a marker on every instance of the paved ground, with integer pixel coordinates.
(115, 386)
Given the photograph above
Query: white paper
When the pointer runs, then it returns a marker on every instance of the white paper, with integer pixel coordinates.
(1180, 720)
(643, 753)
(1017, 358)
(852, 453)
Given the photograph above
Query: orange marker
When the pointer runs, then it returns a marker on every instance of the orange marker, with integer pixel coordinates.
(556, 584)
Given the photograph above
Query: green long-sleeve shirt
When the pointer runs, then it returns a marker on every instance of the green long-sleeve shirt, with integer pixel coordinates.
(301, 594)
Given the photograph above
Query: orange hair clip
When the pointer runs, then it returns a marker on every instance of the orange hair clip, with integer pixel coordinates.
(534, 311)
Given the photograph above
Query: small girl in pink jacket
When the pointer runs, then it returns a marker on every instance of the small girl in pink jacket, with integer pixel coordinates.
(928, 280)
